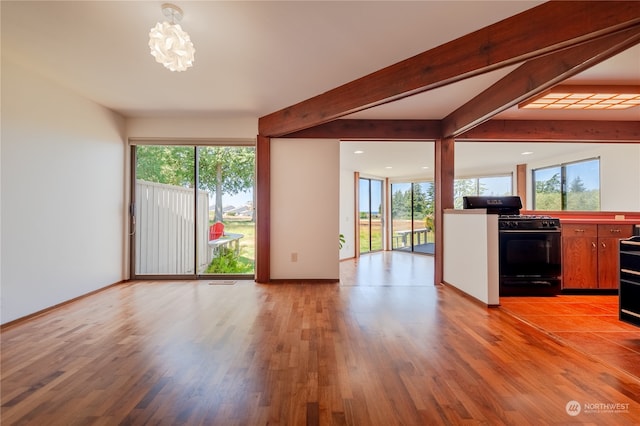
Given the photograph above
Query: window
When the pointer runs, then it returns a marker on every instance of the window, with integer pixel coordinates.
(568, 186)
(486, 185)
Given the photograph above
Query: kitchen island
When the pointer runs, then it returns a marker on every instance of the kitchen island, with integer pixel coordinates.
(471, 250)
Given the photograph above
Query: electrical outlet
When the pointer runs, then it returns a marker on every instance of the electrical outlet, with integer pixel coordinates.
(294, 257)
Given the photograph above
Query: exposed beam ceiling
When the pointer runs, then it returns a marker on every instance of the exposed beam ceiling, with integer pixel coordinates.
(536, 76)
(493, 130)
(501, 44)
(545, 130)
(372, 130)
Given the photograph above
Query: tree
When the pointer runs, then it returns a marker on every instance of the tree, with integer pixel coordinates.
(226, 170)
(577, 185)
(401, 204)
(462, 187)
(420, 202)
(548, 196)
(172, 165)
(550, 185)
(222, 169)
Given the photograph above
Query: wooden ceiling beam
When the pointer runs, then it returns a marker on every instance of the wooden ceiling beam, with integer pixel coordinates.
(532, 33)
(371, 130)
(536, 76)
(554, 131)
(489, 131)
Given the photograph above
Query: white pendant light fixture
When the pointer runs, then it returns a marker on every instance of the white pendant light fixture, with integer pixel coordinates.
(169, 44)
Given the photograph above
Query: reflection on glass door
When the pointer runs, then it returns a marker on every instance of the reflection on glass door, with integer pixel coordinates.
(412, 207)
(193, 210)
(371, 215)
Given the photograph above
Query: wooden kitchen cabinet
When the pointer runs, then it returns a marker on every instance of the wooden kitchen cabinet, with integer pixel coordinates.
(590, 254)
(579, 256)
(608, 254)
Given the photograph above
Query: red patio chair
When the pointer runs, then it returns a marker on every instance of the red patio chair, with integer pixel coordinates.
(216, 231)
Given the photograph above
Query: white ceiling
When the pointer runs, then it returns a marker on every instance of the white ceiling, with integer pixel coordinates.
(254, 58)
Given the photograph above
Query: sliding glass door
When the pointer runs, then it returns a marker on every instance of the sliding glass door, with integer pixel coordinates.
(192, 211)
(226, 175)
(412, 207)
(371, 215)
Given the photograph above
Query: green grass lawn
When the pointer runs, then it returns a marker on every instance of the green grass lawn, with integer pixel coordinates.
(376, 236)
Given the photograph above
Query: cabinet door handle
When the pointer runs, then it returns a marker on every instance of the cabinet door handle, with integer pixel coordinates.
(614, 231)
(578, 230)
(594, 245)
(604, 245)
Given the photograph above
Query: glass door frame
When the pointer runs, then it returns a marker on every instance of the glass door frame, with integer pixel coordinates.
(412, 237)
(369, 194)
(195, 144)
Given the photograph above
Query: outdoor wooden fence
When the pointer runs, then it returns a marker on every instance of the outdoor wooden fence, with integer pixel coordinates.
(165, 242)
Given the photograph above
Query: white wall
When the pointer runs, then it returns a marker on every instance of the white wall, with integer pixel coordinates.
(305, 187)
(193, 128)
(62, 194)
(620, 178)
(471, 253)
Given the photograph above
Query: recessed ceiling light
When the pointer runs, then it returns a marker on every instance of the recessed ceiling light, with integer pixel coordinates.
(527, 153)
(358, 152)
(425, 167)
(388, 167)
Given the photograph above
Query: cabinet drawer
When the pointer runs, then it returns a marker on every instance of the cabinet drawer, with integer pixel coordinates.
(579, 230)
(630, 302)
(615, 230)
(630, 261)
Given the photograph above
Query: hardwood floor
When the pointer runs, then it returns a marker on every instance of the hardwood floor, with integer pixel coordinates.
(363, 352)
(390, 268)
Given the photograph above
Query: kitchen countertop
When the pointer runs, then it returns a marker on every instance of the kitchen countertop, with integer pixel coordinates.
(603, 221)
(591, 217)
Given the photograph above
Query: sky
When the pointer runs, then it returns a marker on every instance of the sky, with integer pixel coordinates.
(588, 171)
(239, 199)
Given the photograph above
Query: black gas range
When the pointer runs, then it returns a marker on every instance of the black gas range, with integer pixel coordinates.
(529, 247)
(508, 210)
(518, 221)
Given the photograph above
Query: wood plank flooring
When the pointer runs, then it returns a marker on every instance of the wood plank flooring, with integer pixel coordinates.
(355, 353)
